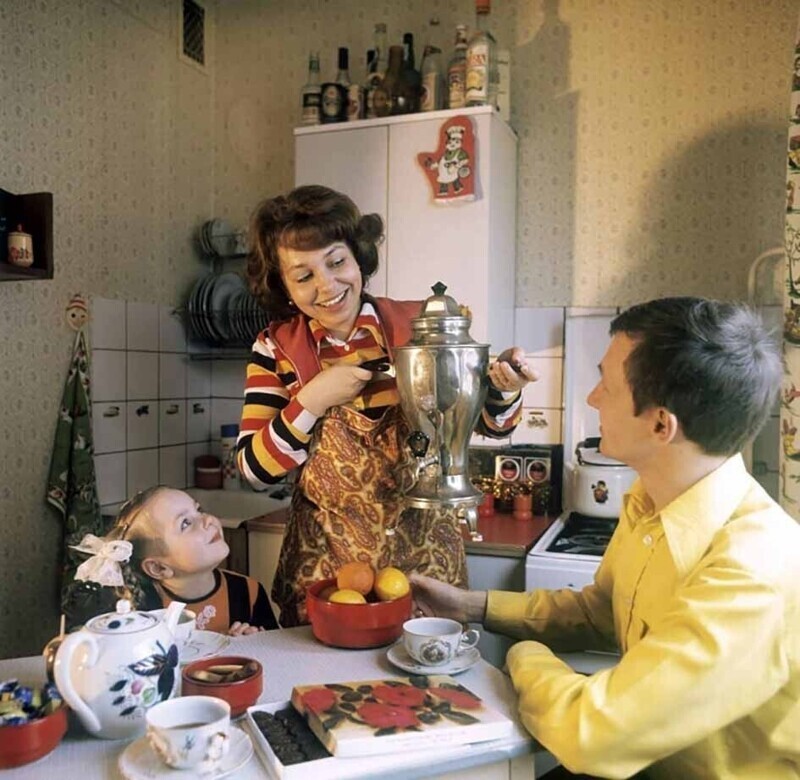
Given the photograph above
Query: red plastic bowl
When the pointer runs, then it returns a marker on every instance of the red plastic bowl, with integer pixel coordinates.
(355, 625)
(33, 740)
(240, 694)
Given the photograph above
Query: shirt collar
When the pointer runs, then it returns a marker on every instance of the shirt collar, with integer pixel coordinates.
(367, 318)
(692, 519)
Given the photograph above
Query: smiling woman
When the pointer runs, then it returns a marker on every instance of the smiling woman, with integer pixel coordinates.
(321, 397)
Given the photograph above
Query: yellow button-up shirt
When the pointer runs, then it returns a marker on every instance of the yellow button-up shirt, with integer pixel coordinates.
(703, 600)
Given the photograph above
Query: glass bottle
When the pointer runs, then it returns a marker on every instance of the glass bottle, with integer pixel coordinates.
(381, 49)
(389, 98)
(482, 60)
(311, 94)
(410, 76)
(457, 71)
(370, 84)
(432, 94)
(355, 101)
(343, 74)
(334, 93)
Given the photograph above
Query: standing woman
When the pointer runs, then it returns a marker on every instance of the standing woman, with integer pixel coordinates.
(310, 406)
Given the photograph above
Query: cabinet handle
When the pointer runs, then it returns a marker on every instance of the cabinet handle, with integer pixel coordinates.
(198, 409)
(112, 411)
(173, 409)
(537, 420)
(142, 411)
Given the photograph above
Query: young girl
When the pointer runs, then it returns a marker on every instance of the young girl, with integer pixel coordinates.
(177, 549)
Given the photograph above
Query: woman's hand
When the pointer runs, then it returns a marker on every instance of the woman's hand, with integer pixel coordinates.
(511, 372)
(432, 598)
(334, 386)
(243, 629)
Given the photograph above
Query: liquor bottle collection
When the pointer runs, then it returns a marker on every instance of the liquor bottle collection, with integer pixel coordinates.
(475, 74)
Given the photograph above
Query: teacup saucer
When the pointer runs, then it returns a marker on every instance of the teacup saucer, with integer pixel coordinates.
(398, 655)
(203, 644)
(139, 762)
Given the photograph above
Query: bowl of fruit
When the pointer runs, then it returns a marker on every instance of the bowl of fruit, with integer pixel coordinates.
(360, 607)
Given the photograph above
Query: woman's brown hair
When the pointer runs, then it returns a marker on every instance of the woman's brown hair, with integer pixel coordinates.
(307, 218)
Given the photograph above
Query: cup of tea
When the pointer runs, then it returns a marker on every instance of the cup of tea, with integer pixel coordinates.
(191, 732)
(433, 641)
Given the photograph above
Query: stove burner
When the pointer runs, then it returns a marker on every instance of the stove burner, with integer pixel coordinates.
(583, 535)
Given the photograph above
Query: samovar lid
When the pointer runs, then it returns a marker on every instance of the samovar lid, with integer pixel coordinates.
(442, 320)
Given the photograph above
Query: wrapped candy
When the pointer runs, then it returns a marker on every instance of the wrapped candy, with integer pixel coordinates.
(21, 703)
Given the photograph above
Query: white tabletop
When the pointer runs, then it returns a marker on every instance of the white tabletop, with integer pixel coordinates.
(290, 657)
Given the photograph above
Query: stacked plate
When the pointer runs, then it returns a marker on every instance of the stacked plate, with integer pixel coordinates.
(222, 312)
(217, 238)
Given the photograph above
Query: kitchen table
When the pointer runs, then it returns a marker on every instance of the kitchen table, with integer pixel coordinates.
(292, 657)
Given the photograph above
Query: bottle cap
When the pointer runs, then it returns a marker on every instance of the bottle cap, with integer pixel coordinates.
(343, 58)
(483, 6)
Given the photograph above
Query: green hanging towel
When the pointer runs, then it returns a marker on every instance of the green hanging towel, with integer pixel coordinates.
(72, 486)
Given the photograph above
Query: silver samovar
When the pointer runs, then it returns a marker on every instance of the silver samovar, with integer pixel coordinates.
(442, 381)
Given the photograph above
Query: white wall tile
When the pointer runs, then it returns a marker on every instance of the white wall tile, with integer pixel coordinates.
(111, 479)
(171, 330)
(172, 422)
(108, 375)
(198, 419)
(108, 427)
(540, 331)
(538, 426)
(546, 391)
(485, 441)
(106, 323)
(198, 379)
(142, 375)
(142, 424)
(142, 470)
(172, 466)
(223, 412)
(142, 324)
(172, 375)
(227, 378)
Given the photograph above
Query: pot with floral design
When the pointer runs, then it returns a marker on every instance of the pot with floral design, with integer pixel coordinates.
(118, 666)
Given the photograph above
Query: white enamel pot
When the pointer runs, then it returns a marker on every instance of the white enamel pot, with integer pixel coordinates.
(599, 482)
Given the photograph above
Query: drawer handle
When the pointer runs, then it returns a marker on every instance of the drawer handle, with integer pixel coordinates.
(112, 411)
(198, 409)
(142, 411)
(537, 420)
(173, 409)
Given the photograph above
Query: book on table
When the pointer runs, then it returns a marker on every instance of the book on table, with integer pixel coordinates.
(380, 716)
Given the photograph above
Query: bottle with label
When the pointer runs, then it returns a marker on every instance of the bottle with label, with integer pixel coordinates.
(457, 71)
(370, 84)
(311, 94)
(334, 94)
(388, 98)
(410, 77)
(432, 96)
(355, 101)
(482, 60)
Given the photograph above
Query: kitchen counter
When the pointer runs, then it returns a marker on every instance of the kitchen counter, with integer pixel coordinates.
(293, 657)
(503, 535)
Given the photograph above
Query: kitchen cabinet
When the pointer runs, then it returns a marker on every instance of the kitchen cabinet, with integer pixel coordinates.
(34, 213)
(467, 245)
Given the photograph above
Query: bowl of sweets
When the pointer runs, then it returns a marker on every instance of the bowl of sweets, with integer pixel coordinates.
(236, 679)
(32, 722)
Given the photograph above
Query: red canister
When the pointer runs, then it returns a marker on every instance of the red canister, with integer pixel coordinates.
(207, 472)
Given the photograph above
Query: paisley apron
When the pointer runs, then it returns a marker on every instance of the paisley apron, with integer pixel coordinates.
(346, 498)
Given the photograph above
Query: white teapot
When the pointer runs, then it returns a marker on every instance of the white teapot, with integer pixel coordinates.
(117, 666)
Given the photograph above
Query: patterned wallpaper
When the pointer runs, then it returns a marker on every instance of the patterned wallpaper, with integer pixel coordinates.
(652, 137)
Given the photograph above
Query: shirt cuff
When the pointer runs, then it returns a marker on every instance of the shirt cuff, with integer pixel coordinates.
(298, 417)
(505, 610)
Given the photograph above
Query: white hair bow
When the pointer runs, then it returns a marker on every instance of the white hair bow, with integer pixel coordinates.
(104, 565)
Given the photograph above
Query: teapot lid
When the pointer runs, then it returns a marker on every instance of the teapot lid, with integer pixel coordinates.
(442, 320)
(123, 621)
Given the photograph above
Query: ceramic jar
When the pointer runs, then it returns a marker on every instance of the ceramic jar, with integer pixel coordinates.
(20, 248)
(117, 666)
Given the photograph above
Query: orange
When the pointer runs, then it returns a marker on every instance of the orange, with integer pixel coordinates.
(357, 576)
(347, 596)
(390, 584)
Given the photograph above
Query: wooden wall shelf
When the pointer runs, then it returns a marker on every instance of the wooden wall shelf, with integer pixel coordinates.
(34, 211)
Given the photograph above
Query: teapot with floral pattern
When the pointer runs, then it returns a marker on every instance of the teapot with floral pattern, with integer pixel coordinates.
(117, 666)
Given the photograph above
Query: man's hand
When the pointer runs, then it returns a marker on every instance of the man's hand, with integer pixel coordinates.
(242, 629)
(439, 599)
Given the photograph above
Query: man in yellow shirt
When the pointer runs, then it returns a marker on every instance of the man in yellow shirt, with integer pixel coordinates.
(699, 588)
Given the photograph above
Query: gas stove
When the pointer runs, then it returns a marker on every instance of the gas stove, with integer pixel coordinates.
(582, 535)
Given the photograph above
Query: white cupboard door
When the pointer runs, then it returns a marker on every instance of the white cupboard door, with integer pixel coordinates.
(352, 161)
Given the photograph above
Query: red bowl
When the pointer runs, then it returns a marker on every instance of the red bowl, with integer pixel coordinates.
(240, 694)
(30, 741)
(355, 625)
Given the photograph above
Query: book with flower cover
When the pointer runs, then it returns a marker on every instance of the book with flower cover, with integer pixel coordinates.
(381, 716)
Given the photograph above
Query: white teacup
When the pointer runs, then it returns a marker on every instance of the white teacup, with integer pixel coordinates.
(187, 622)
(433, 641)
(192, 732)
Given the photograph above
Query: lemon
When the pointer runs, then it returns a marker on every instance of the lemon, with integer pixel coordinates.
(347, 596)
(390, 584)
